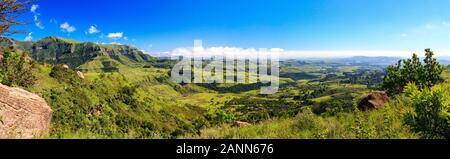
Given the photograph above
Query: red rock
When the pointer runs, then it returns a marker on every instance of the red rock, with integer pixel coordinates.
(375, 100)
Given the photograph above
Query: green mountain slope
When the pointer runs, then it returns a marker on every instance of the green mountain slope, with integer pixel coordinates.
(57, 50)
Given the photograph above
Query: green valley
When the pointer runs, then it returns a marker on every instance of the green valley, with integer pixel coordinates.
(126, 94)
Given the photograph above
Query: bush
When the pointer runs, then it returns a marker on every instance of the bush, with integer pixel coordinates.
(16, 69)
(431, 111)
(65, 75)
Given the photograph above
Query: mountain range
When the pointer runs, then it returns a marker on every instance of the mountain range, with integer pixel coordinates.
(86, 56)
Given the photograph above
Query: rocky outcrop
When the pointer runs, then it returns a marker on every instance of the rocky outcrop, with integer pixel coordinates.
(22, 114)
(375, 100)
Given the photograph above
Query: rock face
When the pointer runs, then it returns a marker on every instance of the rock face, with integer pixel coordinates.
(22, 114)
(375, 100)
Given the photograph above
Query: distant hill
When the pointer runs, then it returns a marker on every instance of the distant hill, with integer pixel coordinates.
(444, 60)
(366, 60)
(84, 56)
(355, 60)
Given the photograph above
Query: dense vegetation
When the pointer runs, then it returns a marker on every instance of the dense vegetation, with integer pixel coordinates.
(141, 101)
(16, 68)
(430, 115)
(413, 71)
(124, 93)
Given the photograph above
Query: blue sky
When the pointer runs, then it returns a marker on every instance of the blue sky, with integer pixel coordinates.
(295, 25)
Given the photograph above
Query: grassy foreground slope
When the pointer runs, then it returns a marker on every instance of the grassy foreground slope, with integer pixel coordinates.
(381, 124)
(387, 123)
(141, 104)
(137, 102)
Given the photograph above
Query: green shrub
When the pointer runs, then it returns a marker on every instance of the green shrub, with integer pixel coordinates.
(16, 69)
(431, 111)
(65, 75)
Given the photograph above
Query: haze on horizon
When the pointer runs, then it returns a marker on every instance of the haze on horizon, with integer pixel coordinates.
(327, 28)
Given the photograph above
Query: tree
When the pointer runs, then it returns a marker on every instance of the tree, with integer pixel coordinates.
(432, 69)
(431, 111)
(424, 75)
(16, 67)
(10, 10)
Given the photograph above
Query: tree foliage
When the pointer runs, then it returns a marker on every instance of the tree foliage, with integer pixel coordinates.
(424, 75)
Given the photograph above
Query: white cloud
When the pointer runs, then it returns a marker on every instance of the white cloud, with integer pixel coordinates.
(285, 54)
(115, 43)
(220, 51)
(36, 15)
(34, 7)
(115, 36)
(66, 27)
(343, 53)
(29, 37)
(93, 30)
(38, 22)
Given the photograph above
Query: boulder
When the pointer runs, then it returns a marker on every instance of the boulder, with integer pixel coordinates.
(65, 66)
(241, 124)
(375, 100)
(23, 114)
(80, 74)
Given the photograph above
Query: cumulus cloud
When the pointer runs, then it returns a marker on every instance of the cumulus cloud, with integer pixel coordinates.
(93, 30)
(66, 27)
(115, 36)
(36, 15)
(285, 54)
(34, 7)
(343, 53)
(115, 43)
(199, 51)
(29, 37)
(38, 22)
